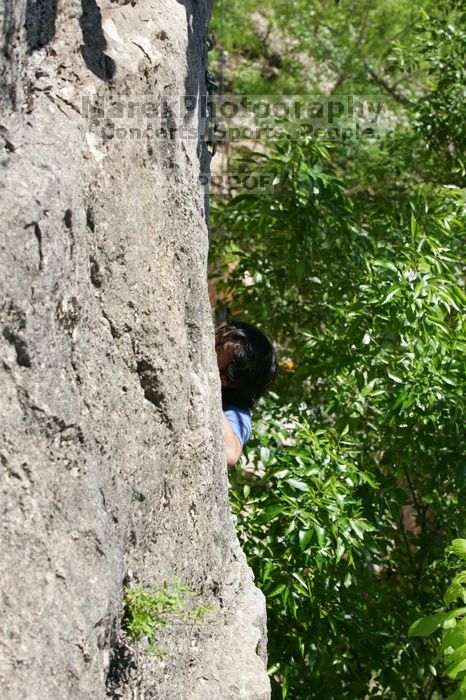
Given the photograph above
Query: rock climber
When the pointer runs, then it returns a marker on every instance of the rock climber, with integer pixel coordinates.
(247, 364)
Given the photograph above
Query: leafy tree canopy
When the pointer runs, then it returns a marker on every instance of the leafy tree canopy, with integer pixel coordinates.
(353, 261)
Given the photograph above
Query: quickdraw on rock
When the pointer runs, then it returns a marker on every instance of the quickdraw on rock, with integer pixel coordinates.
(212, 86)
(211, 116)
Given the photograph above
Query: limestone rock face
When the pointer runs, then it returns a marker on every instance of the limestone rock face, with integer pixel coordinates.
(111, 455)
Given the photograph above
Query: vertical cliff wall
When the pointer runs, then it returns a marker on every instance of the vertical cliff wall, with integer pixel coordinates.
(111, 455)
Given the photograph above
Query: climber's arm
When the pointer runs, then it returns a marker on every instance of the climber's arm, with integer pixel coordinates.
(232, 444)
(237, 429)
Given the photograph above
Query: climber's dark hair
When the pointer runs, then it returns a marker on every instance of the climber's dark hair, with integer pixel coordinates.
(253, 364)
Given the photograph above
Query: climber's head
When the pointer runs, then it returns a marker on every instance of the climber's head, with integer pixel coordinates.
(247, 363)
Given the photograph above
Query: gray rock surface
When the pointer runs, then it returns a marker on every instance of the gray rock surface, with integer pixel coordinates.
(111, 452)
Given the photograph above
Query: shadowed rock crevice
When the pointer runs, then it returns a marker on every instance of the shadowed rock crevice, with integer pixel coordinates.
(94, 272)
(40, 23)
(150, 383)
(94, 41)
(14, 327)
(121, 670)
(22, 354)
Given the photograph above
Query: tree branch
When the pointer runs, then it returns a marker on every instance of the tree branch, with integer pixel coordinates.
(397, 96)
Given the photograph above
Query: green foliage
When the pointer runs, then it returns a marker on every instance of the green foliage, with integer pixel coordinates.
(355, 481)
(343, 40)
(147, 610)
(453, 624)
(370, 316)
(304, 46)
(299, 504)
(438, 52)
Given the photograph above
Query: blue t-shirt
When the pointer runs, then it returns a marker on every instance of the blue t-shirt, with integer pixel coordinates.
(240, 422)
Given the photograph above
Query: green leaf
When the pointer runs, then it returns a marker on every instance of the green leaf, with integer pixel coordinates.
(426, 625)
(395, 289)
(451, 617)
(305, 537)
(454, 591)
(264, 454)
(457, 655)
(456, 668)
(459, 547)
(277, 590)
(271, 512)
(356, 527)
(297, 484)
(320, 532)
